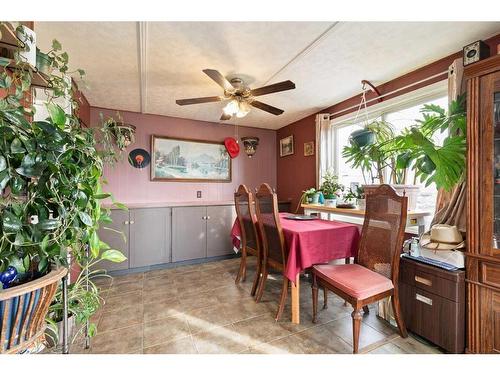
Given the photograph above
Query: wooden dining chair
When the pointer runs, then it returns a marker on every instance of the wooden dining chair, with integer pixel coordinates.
(250, 242)
(375, 272)
(274, 252)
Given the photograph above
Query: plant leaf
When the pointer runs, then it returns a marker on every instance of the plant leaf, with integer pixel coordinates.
(94, 244)
(85, 218)
(57, 114)
(113, 256)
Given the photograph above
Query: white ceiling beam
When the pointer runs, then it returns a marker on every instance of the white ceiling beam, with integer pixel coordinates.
(304, 51)
(142, 54)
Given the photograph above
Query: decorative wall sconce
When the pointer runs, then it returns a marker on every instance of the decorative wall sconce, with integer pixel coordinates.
(250, 145)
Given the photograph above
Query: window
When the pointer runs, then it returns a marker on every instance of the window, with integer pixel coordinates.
(400, 117)
(403, 119)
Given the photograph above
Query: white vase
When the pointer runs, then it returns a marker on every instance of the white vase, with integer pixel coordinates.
(330, 202)
(28, 37)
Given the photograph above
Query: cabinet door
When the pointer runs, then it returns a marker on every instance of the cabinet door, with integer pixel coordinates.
(490, 163)
(189, 237)
(116, 240)
(220, 220)
(149, 236)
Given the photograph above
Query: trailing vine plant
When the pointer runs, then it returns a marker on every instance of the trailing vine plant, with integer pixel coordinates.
(50, 180)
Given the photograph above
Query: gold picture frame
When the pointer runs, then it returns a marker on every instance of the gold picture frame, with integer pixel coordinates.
(309, 148)
(189, 160)
(286, 146)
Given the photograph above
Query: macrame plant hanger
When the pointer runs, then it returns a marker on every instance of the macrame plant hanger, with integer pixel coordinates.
(366, 87)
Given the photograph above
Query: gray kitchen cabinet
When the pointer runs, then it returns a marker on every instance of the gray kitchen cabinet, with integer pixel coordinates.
(149, 236)
(118, 241)
(220, 220)
(189, 233)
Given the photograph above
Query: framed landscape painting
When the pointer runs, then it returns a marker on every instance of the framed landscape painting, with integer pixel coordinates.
(190, 160)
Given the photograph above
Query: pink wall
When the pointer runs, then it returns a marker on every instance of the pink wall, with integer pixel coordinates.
(131, 185)
(296, 172)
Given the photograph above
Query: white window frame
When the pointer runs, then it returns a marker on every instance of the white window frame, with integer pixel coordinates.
(401, 102)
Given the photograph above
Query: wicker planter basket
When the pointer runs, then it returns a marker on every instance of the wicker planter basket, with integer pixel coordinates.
(23, 310)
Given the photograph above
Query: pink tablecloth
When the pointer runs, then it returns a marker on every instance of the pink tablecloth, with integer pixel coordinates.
(313, 242)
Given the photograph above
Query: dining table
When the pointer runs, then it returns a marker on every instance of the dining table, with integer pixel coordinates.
(310, 242)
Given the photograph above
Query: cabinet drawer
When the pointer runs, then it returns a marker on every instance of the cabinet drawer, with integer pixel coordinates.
(439, 320)
(442, 283)
(490, 274)
(439, 286)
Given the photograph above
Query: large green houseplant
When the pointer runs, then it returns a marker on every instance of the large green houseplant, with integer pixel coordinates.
(50, 178)
(433, 162)
(416, 148)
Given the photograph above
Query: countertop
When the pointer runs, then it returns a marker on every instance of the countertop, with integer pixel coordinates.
(175, 204)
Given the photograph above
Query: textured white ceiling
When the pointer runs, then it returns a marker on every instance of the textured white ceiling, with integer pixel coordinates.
(326, 61)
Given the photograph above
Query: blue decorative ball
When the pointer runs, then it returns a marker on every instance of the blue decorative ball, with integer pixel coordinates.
(8, 276)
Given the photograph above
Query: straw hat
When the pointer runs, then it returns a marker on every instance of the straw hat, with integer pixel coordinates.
(442, 237)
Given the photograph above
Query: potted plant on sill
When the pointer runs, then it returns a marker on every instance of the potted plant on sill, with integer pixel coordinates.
(50, 175)
(376, 157)
(310, 196)
(331, 188)
(358, 193)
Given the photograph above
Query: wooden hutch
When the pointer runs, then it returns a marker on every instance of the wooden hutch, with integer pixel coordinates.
(483, 206)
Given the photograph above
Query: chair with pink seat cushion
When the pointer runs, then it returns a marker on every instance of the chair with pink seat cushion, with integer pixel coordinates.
(374, 276)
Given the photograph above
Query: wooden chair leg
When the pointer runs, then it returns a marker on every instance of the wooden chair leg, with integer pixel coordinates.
(325, 298)
(315, 298)
(356, 327)
(256, 278)
(347, 261)
(262, 283)
(366, 309)
(242, 266)
(284, 293)
(397, 314)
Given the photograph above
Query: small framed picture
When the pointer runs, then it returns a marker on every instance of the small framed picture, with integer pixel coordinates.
(286, 146)
(309, 148)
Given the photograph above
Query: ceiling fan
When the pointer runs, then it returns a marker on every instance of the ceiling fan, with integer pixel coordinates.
(241, 97)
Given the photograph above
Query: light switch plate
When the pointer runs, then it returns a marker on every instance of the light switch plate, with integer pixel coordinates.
(198, 194)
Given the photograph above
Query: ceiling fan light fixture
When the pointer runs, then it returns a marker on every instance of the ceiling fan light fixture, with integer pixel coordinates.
(244, 108)
(231, 108)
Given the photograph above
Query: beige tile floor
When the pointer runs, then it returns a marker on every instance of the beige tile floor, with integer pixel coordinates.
(199, 309)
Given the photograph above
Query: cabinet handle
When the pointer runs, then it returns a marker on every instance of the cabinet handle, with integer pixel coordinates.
(126, 222)
(132, 222)
(208, 217)
(203, 218)
(424, 281)
(423, 299)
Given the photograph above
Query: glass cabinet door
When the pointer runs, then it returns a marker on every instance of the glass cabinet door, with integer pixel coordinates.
(496, 165)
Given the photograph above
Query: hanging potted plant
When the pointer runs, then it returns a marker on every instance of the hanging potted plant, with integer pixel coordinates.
(123, 133)
(50, 175)
(331, 188)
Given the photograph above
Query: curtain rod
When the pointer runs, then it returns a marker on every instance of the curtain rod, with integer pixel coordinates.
(390, 93)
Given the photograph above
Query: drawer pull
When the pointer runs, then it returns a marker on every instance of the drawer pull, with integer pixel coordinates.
(423, 299)
(421, 280)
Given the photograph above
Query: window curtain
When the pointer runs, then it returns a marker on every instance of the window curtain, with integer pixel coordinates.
(450, 205)
(324, 146)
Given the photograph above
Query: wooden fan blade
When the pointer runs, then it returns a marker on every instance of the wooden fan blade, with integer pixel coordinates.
(275, 87)
(219, 79)
(206, 99)
(225, 117)
(267, 107)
